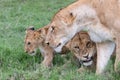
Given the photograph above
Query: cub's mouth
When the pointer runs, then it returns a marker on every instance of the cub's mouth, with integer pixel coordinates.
(87, 62)
(32, 53)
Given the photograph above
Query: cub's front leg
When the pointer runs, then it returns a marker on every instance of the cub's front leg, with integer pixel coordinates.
(48, 55)
(81, 69)
(104, 51)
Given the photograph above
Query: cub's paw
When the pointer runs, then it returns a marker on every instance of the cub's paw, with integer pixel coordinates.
(80, 70)
(46, 64)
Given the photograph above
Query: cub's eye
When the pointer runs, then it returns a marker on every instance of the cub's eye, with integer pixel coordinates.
(28, 43)
(76, 47)
(89, 44)
(86, 56)
(53, 27)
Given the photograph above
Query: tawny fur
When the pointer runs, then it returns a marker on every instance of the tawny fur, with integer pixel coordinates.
(100, 18)
(36, 39)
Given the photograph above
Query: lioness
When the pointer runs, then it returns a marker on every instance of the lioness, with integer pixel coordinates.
(81, 45)
(100, 18)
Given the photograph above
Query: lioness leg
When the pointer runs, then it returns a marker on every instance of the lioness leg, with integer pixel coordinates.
(104, 51)
(117, 60)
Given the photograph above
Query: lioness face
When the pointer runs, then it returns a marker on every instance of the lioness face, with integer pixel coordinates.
(33, 39)
(59, 32)
(57, 36)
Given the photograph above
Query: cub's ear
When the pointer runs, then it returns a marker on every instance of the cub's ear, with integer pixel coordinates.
(68, 45)
(31, 28)
(61, 8)
(89, 44)
(40, 30)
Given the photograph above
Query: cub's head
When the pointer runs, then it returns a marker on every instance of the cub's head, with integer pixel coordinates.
(83, 48)
(33, 39)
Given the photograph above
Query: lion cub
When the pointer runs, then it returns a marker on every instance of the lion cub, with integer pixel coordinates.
(81, 45)
(84, 49)
(35, 39)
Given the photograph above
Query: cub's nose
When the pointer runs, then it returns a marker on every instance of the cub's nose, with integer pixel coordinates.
(33, 51)
(47, 43)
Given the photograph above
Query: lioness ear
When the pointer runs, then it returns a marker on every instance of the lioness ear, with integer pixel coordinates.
(71, 18)
(71, 14)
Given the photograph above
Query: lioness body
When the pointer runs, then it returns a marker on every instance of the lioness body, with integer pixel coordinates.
(100, 18)
(81, 45)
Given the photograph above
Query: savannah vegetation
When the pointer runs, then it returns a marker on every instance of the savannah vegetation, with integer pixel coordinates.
(15, 64)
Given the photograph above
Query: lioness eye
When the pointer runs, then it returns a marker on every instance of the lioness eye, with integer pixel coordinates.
(53, 28)
(28, 43)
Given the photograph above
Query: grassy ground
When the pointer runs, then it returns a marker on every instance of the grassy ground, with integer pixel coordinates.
(15, 16)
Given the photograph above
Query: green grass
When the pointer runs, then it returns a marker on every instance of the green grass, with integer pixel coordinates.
(15, 17)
